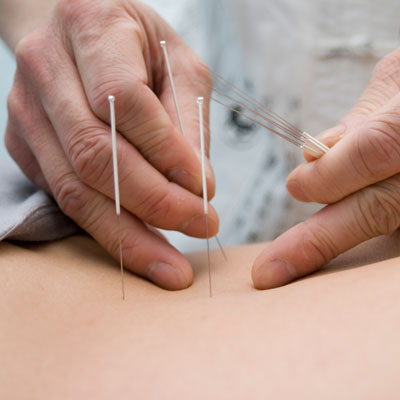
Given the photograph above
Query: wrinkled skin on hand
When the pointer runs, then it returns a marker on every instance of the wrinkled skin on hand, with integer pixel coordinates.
(359, 179)
(58, 129)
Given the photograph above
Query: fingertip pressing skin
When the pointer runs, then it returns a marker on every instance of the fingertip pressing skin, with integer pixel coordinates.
(304, 248)
(170, 277)
(272, 273)
(166, 267)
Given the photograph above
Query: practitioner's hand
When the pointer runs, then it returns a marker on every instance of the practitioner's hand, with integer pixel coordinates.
(58, 129)
(359, 179)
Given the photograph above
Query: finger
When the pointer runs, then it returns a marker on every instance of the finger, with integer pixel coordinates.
(110, 60)
(367, 155)
(303, 249)
(87, 143)
(144, 252)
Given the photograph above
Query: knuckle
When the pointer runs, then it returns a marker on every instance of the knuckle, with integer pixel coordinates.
(29, 52)
(31, 55)
(125, 87)
(318, 244)
(155, 206)
(378, 211)
(90, 155)
(377, 150)
(75, 201)
(68, 193)
(157, 139)
(107, 83)
(24, 50)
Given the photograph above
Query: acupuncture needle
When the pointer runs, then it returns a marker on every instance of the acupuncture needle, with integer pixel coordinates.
(204, 181)
(163, 44)
(111, 99)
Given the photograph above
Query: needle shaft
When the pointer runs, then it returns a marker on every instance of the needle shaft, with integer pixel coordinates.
(163, 44)
(111, 99)
(121, 262)
(208, 258)
(204, 181)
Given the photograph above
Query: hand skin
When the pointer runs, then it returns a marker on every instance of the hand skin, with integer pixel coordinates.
(359, 179)
(58, 128)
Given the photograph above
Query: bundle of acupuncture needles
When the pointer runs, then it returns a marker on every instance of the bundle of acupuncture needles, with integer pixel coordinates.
(236, 100)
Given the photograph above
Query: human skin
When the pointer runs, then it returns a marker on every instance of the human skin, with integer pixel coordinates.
(58, 128)
(66, 333)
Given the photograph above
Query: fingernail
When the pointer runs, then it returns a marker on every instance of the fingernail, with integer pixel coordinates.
(184, 179)
(167, 276)
(295, 189)
(196, 226)
(274, 274)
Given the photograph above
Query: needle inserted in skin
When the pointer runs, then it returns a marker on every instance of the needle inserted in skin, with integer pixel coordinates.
(163, 44)
(111, 99)
(203, 175)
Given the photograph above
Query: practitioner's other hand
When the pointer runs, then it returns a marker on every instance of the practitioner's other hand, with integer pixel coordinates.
(58, 129)
(359, 179)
